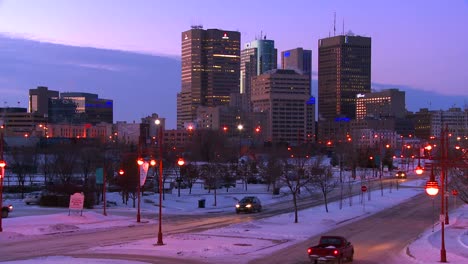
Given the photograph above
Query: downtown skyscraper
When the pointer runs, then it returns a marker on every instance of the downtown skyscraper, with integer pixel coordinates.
(344, 71)
(210, 71)
(257, 57)
(300, 60)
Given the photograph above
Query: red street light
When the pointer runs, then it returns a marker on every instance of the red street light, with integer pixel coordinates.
(180, 162)
(121, 172)
(2, 173)
(432, 188)
(419, 170)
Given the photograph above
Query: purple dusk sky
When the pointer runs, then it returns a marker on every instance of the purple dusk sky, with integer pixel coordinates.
(418, 43)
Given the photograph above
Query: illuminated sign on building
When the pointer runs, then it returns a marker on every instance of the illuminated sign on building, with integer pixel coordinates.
(342, 119)
(360, 95)
(287, 54)
(311, 101)
(225, 36)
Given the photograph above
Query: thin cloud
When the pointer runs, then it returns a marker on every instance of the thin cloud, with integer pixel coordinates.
(106, 67)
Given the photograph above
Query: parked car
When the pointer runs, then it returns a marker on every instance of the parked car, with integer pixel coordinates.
(249, 204)
(33, 198)
(6, 210)
(401, 175)
(334, 249)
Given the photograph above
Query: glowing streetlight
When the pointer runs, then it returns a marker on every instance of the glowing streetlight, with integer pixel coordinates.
(180, 163)
(432, 187)
(2, 173)
(160, 143)
(139, 162)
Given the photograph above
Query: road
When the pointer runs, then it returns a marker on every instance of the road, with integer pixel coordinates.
(377, 239)
(407, 220)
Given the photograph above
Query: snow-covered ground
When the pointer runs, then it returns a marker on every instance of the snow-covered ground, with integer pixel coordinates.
(251, 239)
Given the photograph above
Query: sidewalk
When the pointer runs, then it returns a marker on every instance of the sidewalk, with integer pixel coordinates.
(427, 248)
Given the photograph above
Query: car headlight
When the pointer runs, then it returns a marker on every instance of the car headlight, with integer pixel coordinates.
(248, 206)
(237, 205)
(10, 208)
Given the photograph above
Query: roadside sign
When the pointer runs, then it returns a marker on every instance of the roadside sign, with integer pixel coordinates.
(76, 202)
(363, 188)
(99, 175)
(442, 218)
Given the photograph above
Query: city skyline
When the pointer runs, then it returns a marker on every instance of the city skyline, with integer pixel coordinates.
(419, 45)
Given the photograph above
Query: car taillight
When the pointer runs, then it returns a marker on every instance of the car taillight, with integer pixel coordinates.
(335, 252)
(309, 250)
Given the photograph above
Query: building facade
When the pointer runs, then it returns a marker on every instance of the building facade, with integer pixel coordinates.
(300, 60)
(379, 105)
(430, 123)
(283, 96)
(39, 100)
(93, 109)
(210, 70)
(344, 71)
(297, 59)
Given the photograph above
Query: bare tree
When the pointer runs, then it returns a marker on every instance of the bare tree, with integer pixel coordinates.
(459, 182)
(22, 163)
(271, 170)
(190, 174)
(209, 173)
(294, 174)
(129, 179)
(322, 179)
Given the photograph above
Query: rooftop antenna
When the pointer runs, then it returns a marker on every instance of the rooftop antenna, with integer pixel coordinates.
(343, 27)
(334, 24)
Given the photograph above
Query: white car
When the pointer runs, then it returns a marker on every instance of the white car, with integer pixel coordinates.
(33, 198)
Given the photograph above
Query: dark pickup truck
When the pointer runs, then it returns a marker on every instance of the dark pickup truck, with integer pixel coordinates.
(333, 249)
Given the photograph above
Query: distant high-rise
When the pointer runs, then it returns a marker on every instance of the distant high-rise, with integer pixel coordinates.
(284, 96)
(39, 100)
(344, 70)
(210, 70)
(297, 59)
(300, 60)
(267, 54)
(90, 108)
(381, 105)
(258, 57)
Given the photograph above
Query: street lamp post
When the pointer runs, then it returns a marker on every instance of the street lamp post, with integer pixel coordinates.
(181, 163)
(2, 173)
(240, 127)
(160, 142)
(419, 169)
(432, 189)
(443, 210)
(139, 162)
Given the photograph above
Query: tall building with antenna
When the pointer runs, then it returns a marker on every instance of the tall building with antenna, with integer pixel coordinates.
(344, 71)
(210, 70)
